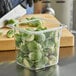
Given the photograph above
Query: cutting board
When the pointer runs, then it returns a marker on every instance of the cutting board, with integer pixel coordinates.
(67, 38)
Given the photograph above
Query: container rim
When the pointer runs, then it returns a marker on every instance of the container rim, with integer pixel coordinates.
(38, 32)
(41, 31)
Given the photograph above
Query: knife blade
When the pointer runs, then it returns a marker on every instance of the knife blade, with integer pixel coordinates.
(14, 13)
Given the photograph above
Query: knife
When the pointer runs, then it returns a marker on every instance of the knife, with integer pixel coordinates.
(14, 13)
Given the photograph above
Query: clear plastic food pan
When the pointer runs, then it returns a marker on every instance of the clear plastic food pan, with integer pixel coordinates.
(37, 45)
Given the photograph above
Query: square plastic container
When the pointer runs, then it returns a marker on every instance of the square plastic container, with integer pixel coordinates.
(37, 47)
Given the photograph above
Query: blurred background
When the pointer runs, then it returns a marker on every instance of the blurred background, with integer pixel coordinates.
(63, 10)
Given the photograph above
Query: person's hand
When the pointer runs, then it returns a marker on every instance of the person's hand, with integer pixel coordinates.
(30, 2)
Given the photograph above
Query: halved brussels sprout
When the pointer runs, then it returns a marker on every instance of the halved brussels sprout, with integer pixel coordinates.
(33, 46)
(36, 57)
(56, 39)
(20, 53)
(10, 22)
(26, 63)
(40, 64)
(10, 33)
(49, 51)
(24, 49)
(52, 34)
(35, 23)
(56, 36)
(45, 60)
(27, 37)
(20, 59)
(18, 39)
(48, 44)
(40, 28)
(32, 23)
(52, 59)
(47, 34)
(40, 38)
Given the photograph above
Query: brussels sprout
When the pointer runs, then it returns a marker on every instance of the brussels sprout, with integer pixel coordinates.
(18, 39)
(57, 34)
(56, 48)
(23, 22)
(27, 37)
(30, 29)
(26, 63)
(57, 43)
(20, 53)
(45, 60)
(36, 57)
(24, 49)
(11, 21)
(55, 37)
(35, 23)
(33, 46)
(28, 18)
(47, 34)
(52, 59)
(20, 59)
(48, 44)
(40, 64)
(40, 38)
(49, 51)
(52, 34)
(10, 33)
(33, 18)
(40, 28)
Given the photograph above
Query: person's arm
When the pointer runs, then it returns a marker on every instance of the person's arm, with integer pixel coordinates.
(2, 8)
(7, 5)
